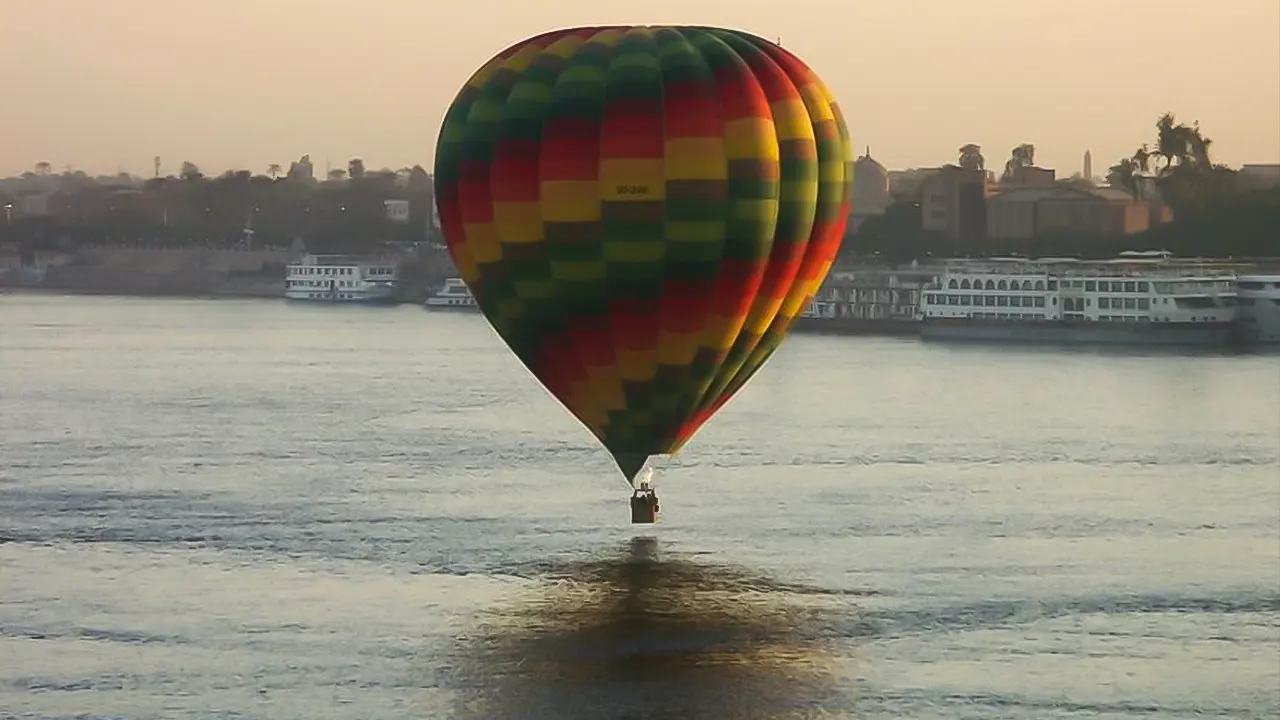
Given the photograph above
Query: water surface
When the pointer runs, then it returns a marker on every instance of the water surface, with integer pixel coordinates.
(255, 509)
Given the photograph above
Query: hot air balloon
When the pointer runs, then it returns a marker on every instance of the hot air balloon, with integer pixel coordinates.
(641, 212)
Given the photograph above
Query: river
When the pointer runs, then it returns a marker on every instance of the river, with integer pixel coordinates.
(255, 509)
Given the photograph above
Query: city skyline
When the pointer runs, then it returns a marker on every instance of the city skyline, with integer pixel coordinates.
(106, 91)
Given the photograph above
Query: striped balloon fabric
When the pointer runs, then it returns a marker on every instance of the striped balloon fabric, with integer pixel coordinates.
(641, 213)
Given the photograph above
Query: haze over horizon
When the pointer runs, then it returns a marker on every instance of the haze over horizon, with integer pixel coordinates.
(104, 87)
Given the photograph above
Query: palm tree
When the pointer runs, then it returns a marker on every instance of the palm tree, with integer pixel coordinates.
(44, 167)
(971, 157)
(274, 170)
(1022, 156)
(1124, 174)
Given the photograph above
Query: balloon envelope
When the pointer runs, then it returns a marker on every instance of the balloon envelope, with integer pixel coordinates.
(641, 213)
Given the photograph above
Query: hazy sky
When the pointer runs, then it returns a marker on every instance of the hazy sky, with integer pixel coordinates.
(105, 85)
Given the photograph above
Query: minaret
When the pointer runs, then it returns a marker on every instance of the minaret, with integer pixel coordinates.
(1088, 165)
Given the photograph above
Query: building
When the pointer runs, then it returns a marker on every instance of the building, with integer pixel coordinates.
(1031, 176)
(905, 184)
(32, 204)
(870, 190)
(397, 210)
(1260, 175)
(1022, 213)
(953, 203)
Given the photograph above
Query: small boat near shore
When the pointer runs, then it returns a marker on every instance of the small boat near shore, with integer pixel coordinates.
(453, 295)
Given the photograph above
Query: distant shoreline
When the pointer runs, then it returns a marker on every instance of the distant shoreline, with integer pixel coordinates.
(28, 290)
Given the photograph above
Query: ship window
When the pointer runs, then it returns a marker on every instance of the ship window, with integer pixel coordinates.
(989, 285)
(1130, 287)
(1053, 284)
(951, 285)
(1088, 302)
(1039, 284)
(1002, 285)
(1130, 303)
(1142, 286)
(1143, 304)
(1003, 301)
(1104, 303)
(1053, 301)
(964, 284)
(1090, 285)
(990, 300)
(1015, 301)
(965, 300)
(1039, 301)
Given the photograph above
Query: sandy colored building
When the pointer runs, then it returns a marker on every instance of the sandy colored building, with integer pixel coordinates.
(1026, 212)
(953, 203)
(870, 190)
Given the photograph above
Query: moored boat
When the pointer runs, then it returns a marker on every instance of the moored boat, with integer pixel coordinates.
(342, 279)
(1140, 299)
(1258, 312)
(453, 295)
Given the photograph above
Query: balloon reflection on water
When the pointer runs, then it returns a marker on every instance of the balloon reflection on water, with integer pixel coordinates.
(650, 635)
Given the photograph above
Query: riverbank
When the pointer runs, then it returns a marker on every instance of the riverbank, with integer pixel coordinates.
(221, 294)
(184, 272)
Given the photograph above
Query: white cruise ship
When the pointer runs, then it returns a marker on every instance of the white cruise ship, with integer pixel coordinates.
(1258, 314)
(1141, 298)
(342, 279)
(453, 295)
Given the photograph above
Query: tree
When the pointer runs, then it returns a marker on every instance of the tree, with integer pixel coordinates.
(302, 169)
(337, 174)
(355, 168)
(1020, 157)
(1124, 175)
(1178, 165)
(190, 171)
(274, 170)
(971, 157)
(44, 167)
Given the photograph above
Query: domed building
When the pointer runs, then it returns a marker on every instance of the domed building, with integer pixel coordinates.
(870, 190)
